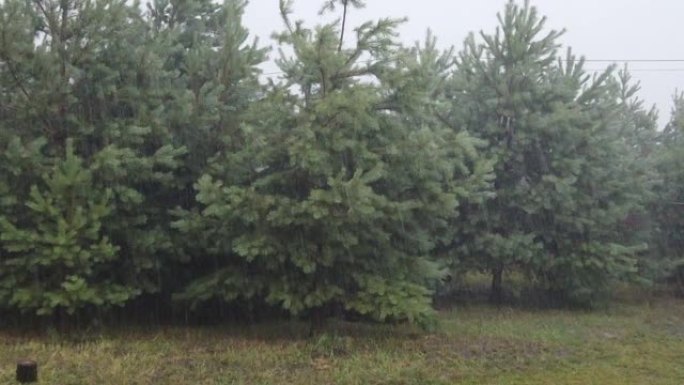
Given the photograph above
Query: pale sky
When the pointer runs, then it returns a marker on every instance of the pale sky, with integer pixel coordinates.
(598, 29)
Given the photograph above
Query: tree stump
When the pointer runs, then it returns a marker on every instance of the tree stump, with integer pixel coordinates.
(27, 371)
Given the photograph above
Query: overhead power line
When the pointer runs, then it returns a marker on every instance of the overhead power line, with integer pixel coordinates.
(635, 60)
(643, 69)
(617, 61)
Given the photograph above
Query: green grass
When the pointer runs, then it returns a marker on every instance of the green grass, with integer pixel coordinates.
(628, 344)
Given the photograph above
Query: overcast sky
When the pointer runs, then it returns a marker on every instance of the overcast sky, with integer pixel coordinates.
(598, 29)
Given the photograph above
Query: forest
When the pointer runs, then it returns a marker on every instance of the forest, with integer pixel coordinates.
(375, 212)
(149, 170)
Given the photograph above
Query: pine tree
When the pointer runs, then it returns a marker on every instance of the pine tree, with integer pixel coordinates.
(81, 97)
(669, 207)
(560, 189)
(343, 185)
(637, 127)
(210, 77)
(70, 257)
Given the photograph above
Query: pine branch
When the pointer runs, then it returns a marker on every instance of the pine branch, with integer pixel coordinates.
(26, 94)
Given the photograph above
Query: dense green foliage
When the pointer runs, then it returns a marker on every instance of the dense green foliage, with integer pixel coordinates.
(86, 157)
(669, 205)
(341, 187)
(562, 186)
(142, 156)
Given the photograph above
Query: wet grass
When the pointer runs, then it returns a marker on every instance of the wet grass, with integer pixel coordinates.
(637, 343)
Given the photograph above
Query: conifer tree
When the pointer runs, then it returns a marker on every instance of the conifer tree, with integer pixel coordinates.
(210, 77)
(59, 258)
(669, 206)
(560, 188)
(637, 127)
(86, 156)
(343, 184)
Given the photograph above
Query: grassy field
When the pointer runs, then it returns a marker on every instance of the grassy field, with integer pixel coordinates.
(628, 344)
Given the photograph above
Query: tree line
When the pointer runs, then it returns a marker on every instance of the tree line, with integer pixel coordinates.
(144, 157)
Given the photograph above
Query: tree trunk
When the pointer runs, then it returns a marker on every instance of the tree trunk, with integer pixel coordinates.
(316, 321)
(496, 293)
(344, 25)
(61, 320)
